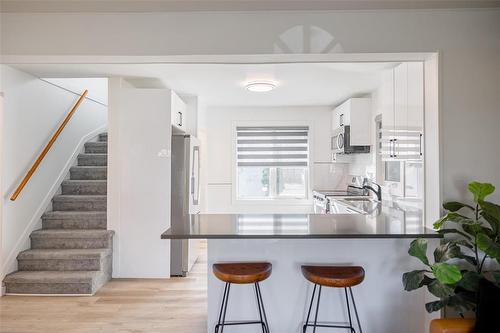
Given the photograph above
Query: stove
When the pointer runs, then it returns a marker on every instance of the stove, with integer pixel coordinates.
(323, 199)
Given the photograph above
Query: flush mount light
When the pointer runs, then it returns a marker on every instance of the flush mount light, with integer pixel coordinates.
(260, 86)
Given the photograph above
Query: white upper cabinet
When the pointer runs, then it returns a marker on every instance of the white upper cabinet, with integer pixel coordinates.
(179, 112)
(356, 113)
(402, 95)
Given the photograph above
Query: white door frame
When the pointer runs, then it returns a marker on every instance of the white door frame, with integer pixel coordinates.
(432, 124)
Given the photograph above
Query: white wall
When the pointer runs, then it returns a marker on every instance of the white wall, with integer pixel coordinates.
(97, 87)
(468, 41)
(33, 109)
(139, 180)
(217, 125)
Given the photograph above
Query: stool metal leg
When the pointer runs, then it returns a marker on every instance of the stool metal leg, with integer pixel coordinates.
(225, 307)
(355, 311)
(349, 311)
(317, 310)
(304, 328)
(260, 310)
(221, 309)
(262, 306)
(315, 323)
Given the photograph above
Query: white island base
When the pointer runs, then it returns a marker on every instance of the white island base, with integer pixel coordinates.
(383, 305)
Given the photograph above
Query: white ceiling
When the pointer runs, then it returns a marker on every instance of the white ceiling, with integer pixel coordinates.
(298, 84)
(228, 5)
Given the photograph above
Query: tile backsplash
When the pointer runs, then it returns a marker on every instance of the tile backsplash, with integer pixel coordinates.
(327, 176)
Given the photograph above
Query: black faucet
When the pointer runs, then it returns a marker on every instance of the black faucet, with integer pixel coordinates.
(377, 191)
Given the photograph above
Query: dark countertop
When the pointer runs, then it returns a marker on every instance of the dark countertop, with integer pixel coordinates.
(300, 226)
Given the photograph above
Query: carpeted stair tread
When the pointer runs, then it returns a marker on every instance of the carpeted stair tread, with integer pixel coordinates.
(71, 233)
(64, 214)
(52, 277)
(46, 254)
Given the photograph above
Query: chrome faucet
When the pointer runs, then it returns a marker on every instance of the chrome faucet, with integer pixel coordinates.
(378, 191)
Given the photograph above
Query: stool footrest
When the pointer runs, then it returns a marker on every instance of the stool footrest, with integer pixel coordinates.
(243, 322)
(327, 325)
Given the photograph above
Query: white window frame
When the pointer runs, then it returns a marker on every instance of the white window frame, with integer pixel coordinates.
(274, 201)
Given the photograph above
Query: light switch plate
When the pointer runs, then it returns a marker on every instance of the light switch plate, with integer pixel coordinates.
(164, 153)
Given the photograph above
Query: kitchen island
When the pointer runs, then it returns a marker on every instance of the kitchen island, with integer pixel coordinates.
(378, 243)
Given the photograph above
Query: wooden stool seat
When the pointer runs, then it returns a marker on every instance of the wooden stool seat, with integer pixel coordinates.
(334, 276)
(242, 273)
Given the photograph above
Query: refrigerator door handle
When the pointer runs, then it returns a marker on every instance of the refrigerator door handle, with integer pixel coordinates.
(195, 175)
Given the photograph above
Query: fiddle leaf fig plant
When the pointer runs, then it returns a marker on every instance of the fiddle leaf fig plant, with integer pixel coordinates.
(471, 236)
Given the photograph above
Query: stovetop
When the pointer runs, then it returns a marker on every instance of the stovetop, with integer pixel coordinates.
(341, 193)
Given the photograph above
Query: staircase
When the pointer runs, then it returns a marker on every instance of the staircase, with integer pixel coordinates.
(72, 253)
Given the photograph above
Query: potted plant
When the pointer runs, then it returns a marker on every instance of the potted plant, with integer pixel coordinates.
(463, 258)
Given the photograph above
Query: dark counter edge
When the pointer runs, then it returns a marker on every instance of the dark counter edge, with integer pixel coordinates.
(431, 234)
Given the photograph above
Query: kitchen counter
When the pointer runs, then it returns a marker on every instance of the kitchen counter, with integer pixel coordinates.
(301, 226)
(378, 242)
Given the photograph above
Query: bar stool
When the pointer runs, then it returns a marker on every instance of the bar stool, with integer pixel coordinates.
(242, 273)
(333, 277)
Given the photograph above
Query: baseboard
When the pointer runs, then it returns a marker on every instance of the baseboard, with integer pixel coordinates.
(50, 295)
(12, 257)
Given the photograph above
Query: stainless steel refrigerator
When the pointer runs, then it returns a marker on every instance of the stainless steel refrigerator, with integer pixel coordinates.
(184, 199)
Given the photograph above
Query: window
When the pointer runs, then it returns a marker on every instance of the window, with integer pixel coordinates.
(272, 162)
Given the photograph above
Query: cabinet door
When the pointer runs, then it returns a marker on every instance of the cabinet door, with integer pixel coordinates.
(415, 112)
(335, 119)
(343, 114)
(400, 110)
(386, 103)
(178, 112)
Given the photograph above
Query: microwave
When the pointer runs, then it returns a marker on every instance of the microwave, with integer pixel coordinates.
(341, 142)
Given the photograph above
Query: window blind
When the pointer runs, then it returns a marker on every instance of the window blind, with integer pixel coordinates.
(272, 146)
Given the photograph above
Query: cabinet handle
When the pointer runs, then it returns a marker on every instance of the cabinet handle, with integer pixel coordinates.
(180, 118)
(420, 144)
(390, 148)
(394, 142)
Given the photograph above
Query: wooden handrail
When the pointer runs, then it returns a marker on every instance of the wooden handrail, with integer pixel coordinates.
(49, 145)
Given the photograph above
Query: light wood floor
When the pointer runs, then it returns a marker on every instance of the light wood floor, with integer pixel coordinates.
(124, 305)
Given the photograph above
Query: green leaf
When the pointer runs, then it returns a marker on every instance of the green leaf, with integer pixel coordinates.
(440, 290)
(418, 249)
(414, 280)
(460, 304)
(454, 206)
(475, 228)
(470, 281)
(491, 213)
(446, 273)
(454, 231)
(434, 306)
(488, 246)
(481, 190)
(452, 217)
(447, 251)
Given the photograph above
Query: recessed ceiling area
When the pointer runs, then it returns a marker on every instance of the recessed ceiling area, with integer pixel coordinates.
(296, 84)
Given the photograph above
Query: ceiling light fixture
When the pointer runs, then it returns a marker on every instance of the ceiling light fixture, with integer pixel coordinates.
(260, 86)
